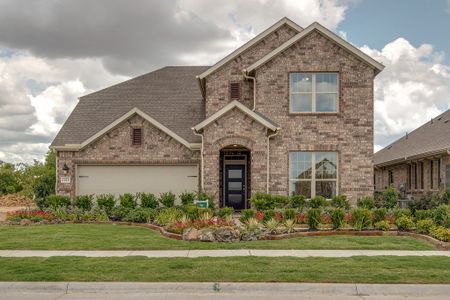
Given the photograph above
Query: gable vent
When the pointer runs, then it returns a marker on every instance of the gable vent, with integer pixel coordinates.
(137, 136)
(235, 91)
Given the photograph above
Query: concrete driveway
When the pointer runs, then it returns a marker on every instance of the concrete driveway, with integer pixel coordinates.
(200, 291)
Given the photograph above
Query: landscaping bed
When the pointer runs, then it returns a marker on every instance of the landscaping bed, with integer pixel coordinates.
(272, 217)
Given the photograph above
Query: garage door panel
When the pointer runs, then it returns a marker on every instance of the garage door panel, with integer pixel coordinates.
(133, 179)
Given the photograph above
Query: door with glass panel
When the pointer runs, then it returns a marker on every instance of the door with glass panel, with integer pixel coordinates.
(235, 186)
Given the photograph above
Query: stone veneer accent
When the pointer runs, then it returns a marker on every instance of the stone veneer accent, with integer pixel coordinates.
(115, 147)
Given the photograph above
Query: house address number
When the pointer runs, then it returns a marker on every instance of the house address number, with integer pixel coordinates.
(65, 179)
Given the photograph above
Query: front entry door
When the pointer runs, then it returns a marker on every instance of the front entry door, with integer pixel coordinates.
(234, 186)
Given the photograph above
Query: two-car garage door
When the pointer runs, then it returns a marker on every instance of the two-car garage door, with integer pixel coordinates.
(133, 179)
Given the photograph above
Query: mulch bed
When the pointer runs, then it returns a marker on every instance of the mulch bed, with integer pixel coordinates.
(16, 200)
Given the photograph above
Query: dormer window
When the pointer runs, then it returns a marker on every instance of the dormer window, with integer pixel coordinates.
(136, 139)
(313, 92)
(235, 91)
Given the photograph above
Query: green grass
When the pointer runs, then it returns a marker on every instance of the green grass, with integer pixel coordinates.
(119, 237)
(385, 269)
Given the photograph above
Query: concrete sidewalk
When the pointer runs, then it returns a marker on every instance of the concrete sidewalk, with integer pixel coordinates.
(221, 253)
(205, 290)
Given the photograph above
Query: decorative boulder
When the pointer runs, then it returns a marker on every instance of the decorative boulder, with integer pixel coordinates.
(227, 234)
(25, 222)
(206, 235)
(191, 234)
(238, 224)
(249, 236)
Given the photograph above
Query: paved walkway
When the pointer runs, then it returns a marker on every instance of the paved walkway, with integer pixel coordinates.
(220, 253)
(225, 290)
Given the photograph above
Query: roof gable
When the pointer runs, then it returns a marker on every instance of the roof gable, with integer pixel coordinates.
(249, 44)
(316, 26)
(119, 121)
(236, 104)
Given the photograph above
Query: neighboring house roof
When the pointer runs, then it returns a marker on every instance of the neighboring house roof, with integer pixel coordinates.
(170, 96)
(316, 26)
(256, 39)
(235, 104)
(431, 138)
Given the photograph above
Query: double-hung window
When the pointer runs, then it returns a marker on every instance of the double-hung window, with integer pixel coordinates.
(313, 174)
(313, 92)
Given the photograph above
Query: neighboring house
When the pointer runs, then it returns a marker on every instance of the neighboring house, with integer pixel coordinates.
(419, 162)
(284, 102)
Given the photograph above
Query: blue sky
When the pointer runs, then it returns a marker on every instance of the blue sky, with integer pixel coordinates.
(378, 22)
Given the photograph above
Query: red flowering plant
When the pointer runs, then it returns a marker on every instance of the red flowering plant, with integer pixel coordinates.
(325, 218)
(259, 216)
(301, 218)
(279, 216)
(33, 215)
(348, 218)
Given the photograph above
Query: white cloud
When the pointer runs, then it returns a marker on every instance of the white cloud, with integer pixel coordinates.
(413, 88)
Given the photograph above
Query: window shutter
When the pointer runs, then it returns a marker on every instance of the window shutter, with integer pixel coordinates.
(235, 91)
(137, 136)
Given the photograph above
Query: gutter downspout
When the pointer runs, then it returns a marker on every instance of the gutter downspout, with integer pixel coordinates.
(268, 158)
(202, 185)
(244, 73)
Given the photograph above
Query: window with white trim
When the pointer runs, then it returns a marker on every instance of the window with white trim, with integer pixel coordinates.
(313, 92)
(313, 174)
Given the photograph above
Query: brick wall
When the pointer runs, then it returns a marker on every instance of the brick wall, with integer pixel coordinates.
(348, 132)
(115, 148)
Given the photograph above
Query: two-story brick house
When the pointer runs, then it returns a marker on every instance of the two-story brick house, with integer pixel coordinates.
(289, 112)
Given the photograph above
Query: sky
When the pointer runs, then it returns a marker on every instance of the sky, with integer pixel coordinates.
(54, 51)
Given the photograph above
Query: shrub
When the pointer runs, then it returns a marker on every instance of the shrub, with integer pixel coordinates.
(226, 211)
(379, 214)
(106, 202)
(167, 199)
(360, 218)
(298, 201)
(268, 214)
(404, 223)
(127, 201)
(441, 233)
(337, 217)
(366, 202)
(290, 213)
(140, 215)
(32, 215)
(290, 225)
(168, 216)
(247, 214)
(55, 201)
(191, 211)
(100, 215)
(390, 197)
(118, 213)
(148, 200)
(84, 202)
(272, 225)
(422, 215)
(340, 201)
(318, 202)
(424, 226)
(187, 198)
(382, 225)
(314, 218)
(441, 215)
(399, 212)
(263, 201)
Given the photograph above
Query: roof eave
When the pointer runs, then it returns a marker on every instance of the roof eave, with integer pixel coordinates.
(413, 157)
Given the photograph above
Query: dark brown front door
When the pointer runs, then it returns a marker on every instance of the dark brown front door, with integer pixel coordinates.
(234, 185)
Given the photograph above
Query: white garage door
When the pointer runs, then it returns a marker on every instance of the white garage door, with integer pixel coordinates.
(133, 179)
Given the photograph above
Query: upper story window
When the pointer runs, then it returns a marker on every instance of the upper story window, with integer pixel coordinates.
(313, 92)
(235, 91)
(136, 138)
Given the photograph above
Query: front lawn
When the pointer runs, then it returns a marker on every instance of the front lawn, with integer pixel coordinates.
(386, 269)
(120, 237)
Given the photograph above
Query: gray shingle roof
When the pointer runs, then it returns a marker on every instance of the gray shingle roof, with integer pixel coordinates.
(430, 137)
(170, 95)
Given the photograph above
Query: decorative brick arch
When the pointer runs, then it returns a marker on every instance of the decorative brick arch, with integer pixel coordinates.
(233, 140)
